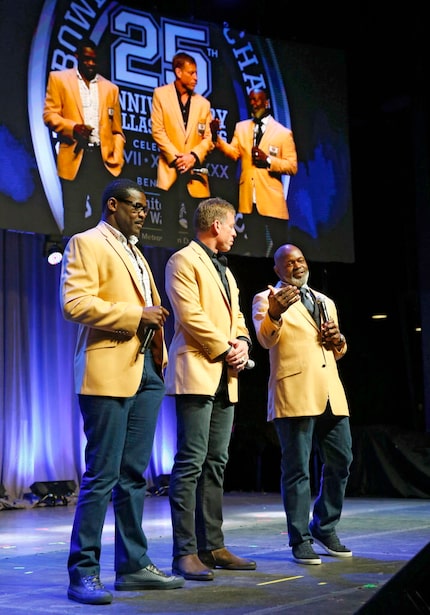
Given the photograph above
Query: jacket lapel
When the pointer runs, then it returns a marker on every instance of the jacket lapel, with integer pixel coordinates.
(73, 88)
(174, 104)
(119, 249)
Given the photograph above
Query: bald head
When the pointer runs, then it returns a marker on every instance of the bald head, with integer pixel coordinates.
(290, 265)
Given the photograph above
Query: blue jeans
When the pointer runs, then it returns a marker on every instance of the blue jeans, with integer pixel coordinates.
(332, 437)
(204, 425)
(120, 434)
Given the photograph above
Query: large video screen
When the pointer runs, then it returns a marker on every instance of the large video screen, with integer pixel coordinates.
(306, 87)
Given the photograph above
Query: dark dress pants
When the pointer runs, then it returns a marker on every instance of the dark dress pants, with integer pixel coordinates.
(120, 434)
(332, 436)
(178, 209)
(265, 234)
(204, 425)
(82, 196)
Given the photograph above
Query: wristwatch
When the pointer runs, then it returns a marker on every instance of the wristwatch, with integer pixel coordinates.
(341, 341)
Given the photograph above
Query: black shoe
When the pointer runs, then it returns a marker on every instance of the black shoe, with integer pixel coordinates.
(89, 590)
(149, 577)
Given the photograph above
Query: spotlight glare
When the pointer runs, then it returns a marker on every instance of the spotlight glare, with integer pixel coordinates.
(53, 249)
(55, 255)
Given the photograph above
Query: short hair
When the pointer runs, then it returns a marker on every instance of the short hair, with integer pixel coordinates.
(119, 189)
(83, 43)
(259, 90)
(210, 210)
(180, 59)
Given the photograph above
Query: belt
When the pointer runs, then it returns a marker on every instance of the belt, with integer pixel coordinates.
(92, 147)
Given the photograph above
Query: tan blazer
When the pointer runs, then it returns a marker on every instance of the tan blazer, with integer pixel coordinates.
(172, 138)
(278, 143)
(204, 323)
(303, 375)
(63, 109)
(100, 290)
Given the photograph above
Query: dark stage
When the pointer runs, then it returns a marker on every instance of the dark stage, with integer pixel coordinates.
(388, 537)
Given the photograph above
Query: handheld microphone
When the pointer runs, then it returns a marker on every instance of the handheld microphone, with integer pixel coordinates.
(323, 310)
(250, 364)
(214, 126)
(148, 334)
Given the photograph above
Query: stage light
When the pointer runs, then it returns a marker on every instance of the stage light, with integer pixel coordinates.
(53, 249)
(51, 493)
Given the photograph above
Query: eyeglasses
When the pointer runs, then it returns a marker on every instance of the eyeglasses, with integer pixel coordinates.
(136, 207)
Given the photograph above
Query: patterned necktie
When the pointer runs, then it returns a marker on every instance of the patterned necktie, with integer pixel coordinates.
(310, 304)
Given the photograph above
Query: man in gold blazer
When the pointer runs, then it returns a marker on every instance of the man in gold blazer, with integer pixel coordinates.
(83, 109)
(265, 157)
(208, 350)
(107, 288)
(306, 402)
(180, 121)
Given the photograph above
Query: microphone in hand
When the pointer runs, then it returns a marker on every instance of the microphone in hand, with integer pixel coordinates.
(81, 132)
(326, 333)
(147, 337)
(214, 126)
(80, 144)
(259, 158)
(324, 317)
(250, 364)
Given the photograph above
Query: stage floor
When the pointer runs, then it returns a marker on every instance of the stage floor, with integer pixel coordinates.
(384, 535)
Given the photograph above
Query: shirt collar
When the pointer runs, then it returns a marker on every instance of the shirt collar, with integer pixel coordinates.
(122, 238)
(208, 251)
(262, 120)
(218, 256)
(93, 80)
(305, 286)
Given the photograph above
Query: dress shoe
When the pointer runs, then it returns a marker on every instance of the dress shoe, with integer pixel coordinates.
(89, 590)
(190, 567)
(222, 558)
(149, 577)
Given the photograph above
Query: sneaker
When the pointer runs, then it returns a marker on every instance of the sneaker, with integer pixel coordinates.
(303, 553)
(149, 577)
(331, 545)
(89, 590)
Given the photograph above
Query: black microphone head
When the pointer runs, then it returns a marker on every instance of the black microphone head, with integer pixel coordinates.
(323, 310)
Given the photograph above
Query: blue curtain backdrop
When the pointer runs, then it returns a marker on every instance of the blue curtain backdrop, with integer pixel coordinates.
(41, 435)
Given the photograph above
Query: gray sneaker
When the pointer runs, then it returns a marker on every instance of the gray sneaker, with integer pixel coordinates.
(89, 590)
(303, 553)
(331, 545)
(149, 577)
